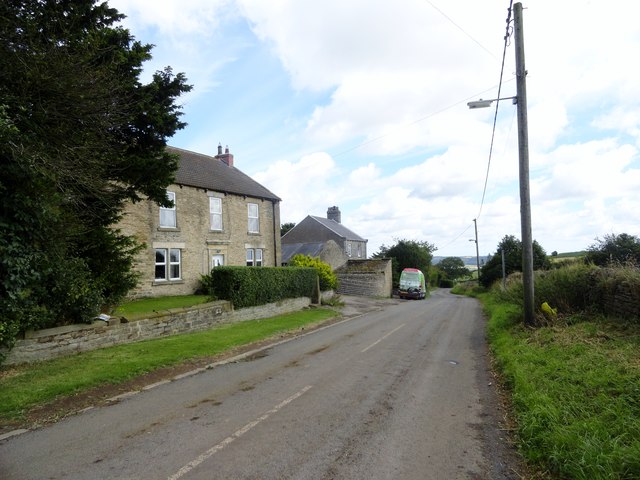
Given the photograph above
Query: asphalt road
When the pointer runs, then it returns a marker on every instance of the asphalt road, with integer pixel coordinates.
(399, 393)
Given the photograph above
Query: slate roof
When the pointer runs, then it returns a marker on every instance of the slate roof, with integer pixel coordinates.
(203, 171)
(311, 249)
(338, 228)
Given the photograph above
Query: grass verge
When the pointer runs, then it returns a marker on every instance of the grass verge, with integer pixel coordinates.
(27, 386)
(575, 392)
(139, 308)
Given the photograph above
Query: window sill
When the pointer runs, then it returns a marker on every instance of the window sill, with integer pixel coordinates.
(157, 283)
(168, 229)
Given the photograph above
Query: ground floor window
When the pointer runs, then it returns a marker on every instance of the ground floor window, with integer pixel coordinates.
(168, 264)
(254, 257)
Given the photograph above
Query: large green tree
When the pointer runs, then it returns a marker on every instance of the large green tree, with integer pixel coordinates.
(407, 254)
(453, 268)
(512, 248)
(80, 135)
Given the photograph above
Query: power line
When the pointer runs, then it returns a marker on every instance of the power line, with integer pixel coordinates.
(461, 29)
(413, 122)
(495, 117)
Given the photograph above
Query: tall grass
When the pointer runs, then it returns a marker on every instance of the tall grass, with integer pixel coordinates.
(575, 383)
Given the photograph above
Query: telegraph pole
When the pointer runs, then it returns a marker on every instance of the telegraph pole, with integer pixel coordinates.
(475, 224)
(523, 150)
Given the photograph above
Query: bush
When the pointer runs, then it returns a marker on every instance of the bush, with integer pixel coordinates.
(328, 279)
(251, 286)
(568, 289)
(446, 283)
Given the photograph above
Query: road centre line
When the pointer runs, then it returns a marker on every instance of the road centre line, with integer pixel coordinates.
(213, 450)
(378, 341)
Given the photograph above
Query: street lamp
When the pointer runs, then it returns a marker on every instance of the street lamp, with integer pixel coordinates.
(487, 103)
(523, 152)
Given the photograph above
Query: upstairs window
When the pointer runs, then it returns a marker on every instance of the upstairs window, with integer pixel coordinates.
(168, 214)
(215, 213)
(254, 220)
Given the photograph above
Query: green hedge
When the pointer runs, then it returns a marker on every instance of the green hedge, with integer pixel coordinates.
(251, 286)
(583, 288)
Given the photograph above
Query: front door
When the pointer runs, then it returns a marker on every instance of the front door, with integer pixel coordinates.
(217, 261)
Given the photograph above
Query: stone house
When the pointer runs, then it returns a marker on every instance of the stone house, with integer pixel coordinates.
(221, 216)
(314, 233)
(329, 252)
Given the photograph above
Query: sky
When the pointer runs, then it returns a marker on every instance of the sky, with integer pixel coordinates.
(362, 104)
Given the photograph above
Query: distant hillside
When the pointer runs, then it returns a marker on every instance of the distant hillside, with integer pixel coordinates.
(468, 261)
(471, 261)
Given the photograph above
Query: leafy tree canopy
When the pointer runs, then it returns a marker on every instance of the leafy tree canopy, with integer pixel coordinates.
(80, 135)
(623, 248)
(512, 248)
(285, 227)
(407, 254)
(453, 268)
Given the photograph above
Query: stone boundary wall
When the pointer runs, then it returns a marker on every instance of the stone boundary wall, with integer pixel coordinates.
(624, 302)
(369, 278)
(365, 284)
(57, 342)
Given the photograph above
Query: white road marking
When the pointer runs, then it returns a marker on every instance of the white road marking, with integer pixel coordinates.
(213, 450)
(378, 341)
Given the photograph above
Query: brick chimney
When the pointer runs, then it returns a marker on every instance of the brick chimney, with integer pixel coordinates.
(226, 157)
(333, 213)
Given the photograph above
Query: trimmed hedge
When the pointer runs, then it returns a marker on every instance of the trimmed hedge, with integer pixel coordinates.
(252, 286)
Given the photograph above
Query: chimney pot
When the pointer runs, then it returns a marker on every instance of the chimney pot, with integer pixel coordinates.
(333, 213)
(219, 149)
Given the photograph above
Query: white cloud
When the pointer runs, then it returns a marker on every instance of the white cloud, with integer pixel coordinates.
(373, 96)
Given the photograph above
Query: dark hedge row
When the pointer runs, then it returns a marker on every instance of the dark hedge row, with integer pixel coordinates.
(251, 286)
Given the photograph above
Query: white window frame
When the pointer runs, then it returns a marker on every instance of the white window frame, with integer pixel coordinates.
(254, 257)
(163, 264)
(253, 223)
(175, 263)
(168, 214)
(348, 249)
(215, 213)
(172, 261)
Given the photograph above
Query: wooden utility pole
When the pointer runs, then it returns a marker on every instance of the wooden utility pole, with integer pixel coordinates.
(475, 224)
(523, 149)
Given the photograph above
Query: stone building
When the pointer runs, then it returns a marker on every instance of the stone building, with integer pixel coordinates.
(317, 230)
(221, 216)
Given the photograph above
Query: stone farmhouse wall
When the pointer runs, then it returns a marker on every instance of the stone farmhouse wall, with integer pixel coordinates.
(195, 239)
(623, 302)
(370, 278)
(57, 342)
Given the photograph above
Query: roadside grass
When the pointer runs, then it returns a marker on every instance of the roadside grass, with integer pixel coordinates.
(575, 391)
(144, 306)
(27, 386)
